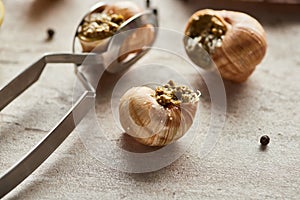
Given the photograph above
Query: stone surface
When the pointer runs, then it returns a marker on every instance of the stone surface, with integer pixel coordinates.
(236, 168)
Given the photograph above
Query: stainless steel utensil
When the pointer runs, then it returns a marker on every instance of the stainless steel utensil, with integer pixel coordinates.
(58, 134)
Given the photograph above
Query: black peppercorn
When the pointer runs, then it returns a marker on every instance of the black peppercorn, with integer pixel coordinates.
(50, 33)
(264, 140)
(147, 3)
(155, 11)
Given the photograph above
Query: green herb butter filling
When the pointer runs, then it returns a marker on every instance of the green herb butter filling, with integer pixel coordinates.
(208, 31)
(98, 26)
(171, 95)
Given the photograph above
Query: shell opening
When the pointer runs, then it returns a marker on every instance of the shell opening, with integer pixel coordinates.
(207, 30)
(171, 95)
(98, 26)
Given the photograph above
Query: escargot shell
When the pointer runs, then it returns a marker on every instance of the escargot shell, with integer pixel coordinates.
(99, 26)
(149, 122)
(242, 46)
(125, 8)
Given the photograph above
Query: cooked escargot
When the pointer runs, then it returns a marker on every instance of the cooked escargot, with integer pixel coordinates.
(235, 41)
(104, 23)
(158, 117)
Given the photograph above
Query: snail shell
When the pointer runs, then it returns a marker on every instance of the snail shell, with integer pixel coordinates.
(125, 8)
(241, 47)
(90, 40)
(136, 41)
(149, 122)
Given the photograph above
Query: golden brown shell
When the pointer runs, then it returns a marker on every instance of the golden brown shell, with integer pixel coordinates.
(136, 41)
(150, 123)
(243, 47)
(126, 9)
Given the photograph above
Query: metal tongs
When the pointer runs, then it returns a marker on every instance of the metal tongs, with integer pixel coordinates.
(15, 175)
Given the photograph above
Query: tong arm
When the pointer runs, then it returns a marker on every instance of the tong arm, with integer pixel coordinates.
(14, 176)
(30, 75)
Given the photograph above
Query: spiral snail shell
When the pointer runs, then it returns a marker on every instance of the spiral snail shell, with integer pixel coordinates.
(126, 9)
(104, 23)
(235, 41)
(158, 117)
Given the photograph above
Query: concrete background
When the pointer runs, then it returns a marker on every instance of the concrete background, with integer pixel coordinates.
(236, 168)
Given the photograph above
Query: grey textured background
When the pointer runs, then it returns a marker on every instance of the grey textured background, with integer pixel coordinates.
(268, 103)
